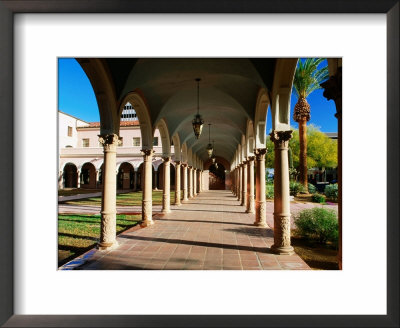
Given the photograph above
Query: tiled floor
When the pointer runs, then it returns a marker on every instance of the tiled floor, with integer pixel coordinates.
(209, 232)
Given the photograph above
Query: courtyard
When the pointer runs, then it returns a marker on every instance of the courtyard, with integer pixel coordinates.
(208, 232)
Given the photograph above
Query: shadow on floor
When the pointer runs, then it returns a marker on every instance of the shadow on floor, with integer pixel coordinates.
(201, 243)
(202, 221)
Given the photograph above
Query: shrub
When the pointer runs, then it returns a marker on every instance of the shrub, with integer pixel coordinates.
(269, 190)
(318, 223)
(318, 198)
(311, 188)
(295, 188)
(332, 192)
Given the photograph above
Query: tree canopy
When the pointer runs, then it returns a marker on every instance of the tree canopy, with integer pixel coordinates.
(321, 150)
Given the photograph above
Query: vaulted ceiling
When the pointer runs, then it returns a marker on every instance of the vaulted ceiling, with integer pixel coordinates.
(228, 94)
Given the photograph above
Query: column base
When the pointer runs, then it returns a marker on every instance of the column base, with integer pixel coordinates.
(165, 211)
(178, 204)
(107, 246)
(282, 250)
(261, 224)
(250, 211)
(146, 223)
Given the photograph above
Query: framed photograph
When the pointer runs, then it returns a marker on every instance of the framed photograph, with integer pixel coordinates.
(34, 34)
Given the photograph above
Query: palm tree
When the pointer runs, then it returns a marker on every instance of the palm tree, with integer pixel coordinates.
(307, 79)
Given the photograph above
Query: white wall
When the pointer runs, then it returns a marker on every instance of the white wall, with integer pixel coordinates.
(65, 120)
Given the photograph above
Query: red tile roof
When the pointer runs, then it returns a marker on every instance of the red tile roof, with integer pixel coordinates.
(122, 123)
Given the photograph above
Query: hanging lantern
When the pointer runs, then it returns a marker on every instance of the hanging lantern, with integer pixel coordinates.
(209, 146)
(197, 121)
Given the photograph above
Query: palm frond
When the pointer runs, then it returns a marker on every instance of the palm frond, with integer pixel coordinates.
(308, 76)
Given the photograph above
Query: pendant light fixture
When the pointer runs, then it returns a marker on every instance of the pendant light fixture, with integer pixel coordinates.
(209, 146)
(213, 156)
(197, 121)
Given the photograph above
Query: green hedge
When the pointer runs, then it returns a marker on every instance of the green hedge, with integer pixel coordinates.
(332, 192)
(295, 188)
(318, 198)
(319, 224)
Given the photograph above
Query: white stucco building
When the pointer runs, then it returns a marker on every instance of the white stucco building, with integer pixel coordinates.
(81, 154)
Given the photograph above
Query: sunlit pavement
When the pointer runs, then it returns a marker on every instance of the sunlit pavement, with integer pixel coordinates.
(209, 232)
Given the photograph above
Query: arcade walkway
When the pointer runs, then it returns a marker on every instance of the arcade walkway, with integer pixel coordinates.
(210, 232)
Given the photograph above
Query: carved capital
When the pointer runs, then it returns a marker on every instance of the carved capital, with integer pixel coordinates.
(178, 162)
(109, 141)
(281, 138)
(260, 153)
(147, 152)
(333, 90)
(166, 159)
(250, 158)
(184, 164)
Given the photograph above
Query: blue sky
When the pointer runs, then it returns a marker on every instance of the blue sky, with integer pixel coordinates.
(76, 97)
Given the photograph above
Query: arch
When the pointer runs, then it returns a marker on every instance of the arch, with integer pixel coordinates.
(281, 91)
(88, 173)
(177, 147)
(142, 111)
(125, 176)
(244, 148)
(161, 125)
(184, 153)
(260, 118)
(70, 175)
(250, 138)
(102, 83)
(190, 157)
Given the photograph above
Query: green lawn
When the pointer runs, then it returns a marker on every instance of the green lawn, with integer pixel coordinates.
(77, 233)
(128, 199)
(76, 191)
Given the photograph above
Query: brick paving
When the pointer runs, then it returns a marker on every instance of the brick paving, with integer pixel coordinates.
(209, 232)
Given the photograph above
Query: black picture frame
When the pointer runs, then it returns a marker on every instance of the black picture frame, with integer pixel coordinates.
(7, 10)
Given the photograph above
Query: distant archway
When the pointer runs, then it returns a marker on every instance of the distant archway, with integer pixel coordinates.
(125, 178)
(70, 176)
(88, 173)
(216, 176)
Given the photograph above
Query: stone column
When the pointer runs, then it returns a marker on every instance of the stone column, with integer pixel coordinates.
(178, 183)
(194, 182)
(135, 174)
(156, 179)
(244, 184)
(60, 180)
(250, 192)
(108, 231)
(281, 193)
(185, 182)
(190, 187)
(240, 182)
(147, 199)
(198, 177)
(97, 178)
(236, 181)
(78, 182)
(261, 215)
(167, 186)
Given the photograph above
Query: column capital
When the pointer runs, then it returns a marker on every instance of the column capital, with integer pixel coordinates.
(260, 153)
(281, 138)
(184, 164)
(147, 152)
(190, 166)
(109, 141)
(250, 158)
(166, 159)
(333, 90)
(178, 162)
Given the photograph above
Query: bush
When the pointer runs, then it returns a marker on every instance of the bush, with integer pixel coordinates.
(311, 188)
(332, 192)
(318, 223)
(295, 188)
(269, 190)
(318, 198)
